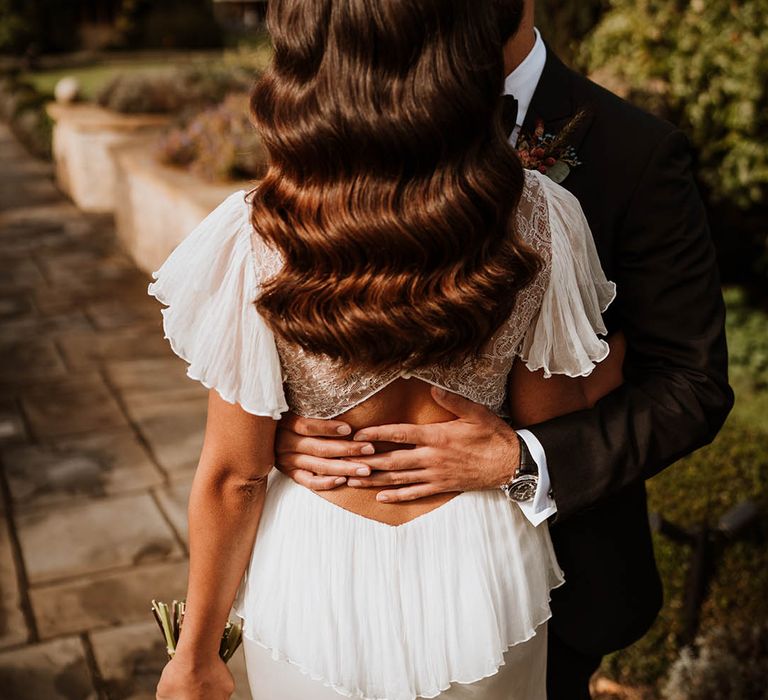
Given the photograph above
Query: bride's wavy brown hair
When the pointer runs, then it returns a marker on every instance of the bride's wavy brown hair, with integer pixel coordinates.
(391, 186)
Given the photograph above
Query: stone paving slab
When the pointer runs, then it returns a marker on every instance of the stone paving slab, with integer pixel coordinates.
(173, 428)
(54, 211)
(109, 314)
(17, 239)
(102, 600)
(33, 326)
(13, 626)
(23, 275)
(131, 659)
(78, 294)
(166, 377)
(72, 405)
(93, 465)
(174, 500)
(30, 360)
(83, 349)
(85, 265)
(55, 670)
(14, 306)
(65, 541)
(12, 428)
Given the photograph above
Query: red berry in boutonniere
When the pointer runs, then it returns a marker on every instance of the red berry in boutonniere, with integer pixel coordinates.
(549, 153)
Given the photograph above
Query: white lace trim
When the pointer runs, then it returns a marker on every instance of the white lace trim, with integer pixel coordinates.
(318, 387)
(210, 281)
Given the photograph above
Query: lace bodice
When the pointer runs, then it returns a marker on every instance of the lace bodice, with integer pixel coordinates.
(214, 275)
(318, 387)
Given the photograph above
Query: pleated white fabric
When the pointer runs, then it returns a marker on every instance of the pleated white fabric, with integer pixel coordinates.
(521, 675)
(564, 336)
(209, 284)
(384, 612)
(369, 610)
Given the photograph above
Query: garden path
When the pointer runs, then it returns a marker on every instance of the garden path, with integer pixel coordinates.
(100, 431)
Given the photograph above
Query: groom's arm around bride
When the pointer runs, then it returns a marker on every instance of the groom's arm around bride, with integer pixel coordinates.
(636, 188)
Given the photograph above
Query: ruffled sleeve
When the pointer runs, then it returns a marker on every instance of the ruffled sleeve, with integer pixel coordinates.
(209, 283)
(563, 337)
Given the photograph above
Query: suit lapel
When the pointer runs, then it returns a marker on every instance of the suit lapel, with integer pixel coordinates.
(554, 101)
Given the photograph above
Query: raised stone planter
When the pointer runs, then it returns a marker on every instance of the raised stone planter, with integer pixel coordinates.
(157, 205)
(83, 136)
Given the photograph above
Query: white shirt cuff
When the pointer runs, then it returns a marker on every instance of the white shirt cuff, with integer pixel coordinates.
(542, 505)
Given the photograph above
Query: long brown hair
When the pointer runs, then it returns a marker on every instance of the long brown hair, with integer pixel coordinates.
(391, 186)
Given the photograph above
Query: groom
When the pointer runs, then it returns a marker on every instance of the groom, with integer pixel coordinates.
(636, 188)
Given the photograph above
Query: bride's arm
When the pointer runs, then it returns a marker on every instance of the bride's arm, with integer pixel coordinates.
(225, 507)
(532, 398)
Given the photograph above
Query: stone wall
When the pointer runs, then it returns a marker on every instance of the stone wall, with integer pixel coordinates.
(83, 135)
(157, 205)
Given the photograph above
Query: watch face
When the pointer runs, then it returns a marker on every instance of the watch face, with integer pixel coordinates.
(523, 488)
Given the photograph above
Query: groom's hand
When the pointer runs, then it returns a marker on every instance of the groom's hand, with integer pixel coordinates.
(477, 450)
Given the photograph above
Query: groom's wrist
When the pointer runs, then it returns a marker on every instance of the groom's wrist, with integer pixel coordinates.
(523, 472)
(508, 458)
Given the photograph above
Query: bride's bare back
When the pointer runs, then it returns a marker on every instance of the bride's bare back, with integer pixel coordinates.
(532, 399)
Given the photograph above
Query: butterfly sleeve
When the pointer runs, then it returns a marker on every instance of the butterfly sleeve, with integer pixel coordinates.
(208, 284)
(564, 335)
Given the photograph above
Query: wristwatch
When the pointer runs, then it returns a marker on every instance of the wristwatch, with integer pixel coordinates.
(525, 480)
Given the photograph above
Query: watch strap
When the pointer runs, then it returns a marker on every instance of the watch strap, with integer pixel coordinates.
(527, 464)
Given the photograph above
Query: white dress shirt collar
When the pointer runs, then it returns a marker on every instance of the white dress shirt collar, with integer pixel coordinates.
(522, 81)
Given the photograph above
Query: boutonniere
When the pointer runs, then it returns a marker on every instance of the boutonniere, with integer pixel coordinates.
(550, 154)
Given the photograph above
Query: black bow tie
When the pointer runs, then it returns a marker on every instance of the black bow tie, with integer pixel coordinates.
(509, 109)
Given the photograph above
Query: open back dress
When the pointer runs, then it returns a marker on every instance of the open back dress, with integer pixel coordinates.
(453, 603)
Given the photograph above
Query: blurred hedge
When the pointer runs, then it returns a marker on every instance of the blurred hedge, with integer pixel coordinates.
(705, 63)
(23, 108)
(217, 144)
(702, 65)
(37, 26)
(42, 26)
(184, 90)
(168, 24)
(564, 24)
(701, 488)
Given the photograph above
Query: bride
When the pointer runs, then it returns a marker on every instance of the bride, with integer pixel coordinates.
(395, 249)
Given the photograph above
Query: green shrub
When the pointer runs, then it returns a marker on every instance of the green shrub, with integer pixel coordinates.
(747, 330)
(565, 24)
(15, 29)
(42, 25)
(218, 144)
(168, 24)
(131, 93)
(188, 89)
(704, 63)
(726, 664)
(23, 107)
(701, 488)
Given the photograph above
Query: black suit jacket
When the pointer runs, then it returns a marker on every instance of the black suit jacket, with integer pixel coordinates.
(637, 191)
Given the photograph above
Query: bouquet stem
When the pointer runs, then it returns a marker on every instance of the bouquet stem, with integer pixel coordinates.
(170, 618)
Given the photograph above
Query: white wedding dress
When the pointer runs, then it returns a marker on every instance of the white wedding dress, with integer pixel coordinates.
(452, 604)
